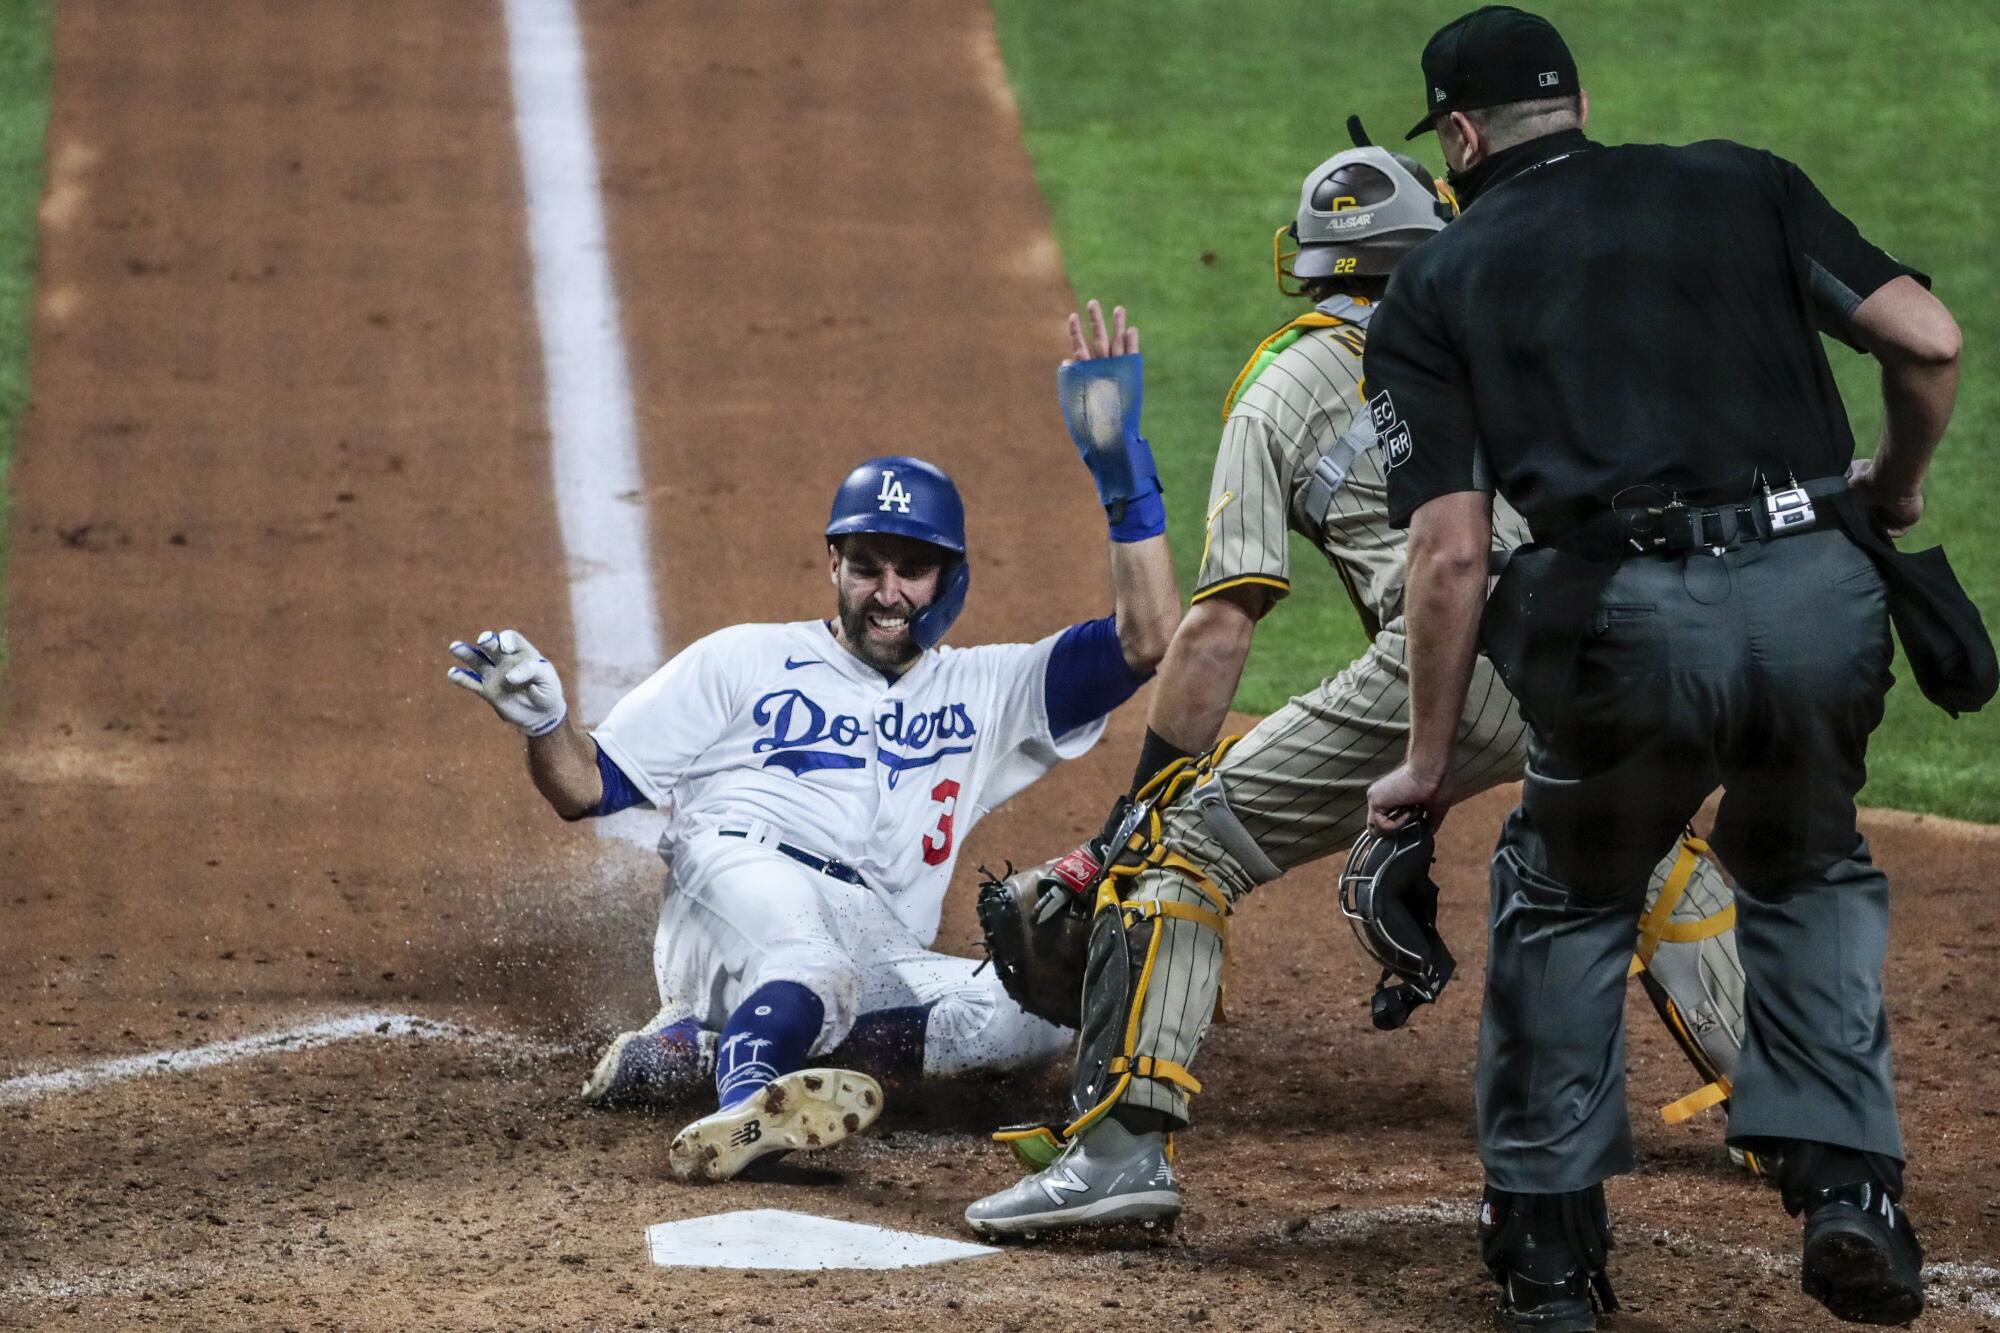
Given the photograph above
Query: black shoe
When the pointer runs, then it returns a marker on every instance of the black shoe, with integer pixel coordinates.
(1547, 1251)
(1862, 1259)
(1563, 1306)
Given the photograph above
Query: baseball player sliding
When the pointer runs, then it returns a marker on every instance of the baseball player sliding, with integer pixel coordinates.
(1299, 454)
(821, 777)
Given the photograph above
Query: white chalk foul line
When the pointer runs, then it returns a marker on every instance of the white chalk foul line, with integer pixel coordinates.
(593, 437)
(303, 1037)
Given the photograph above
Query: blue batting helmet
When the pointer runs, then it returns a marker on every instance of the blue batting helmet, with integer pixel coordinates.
(908, 497)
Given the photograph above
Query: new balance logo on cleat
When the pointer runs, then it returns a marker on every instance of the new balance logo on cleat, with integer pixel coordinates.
(746, 1133)
(1058, 1182)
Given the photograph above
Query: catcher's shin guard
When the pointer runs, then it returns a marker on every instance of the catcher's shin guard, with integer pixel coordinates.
(1154, 960)
(1152, 973)
(1686, 962)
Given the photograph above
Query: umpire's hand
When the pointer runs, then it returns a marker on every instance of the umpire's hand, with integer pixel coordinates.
(1899, 513)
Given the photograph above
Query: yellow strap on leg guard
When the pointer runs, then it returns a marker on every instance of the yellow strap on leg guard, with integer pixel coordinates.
(1146, 1066)
(1654, 925)
(1696, 1102)
(1690, 932)
(1146, 911)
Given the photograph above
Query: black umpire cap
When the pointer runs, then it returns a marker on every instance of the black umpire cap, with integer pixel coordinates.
(1494, 55)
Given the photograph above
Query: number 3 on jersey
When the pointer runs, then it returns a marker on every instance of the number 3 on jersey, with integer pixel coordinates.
(946, 795)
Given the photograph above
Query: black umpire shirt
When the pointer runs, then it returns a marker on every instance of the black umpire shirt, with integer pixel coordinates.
(1606, 319)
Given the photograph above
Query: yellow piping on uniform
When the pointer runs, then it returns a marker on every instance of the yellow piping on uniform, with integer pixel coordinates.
(1208, 527)
(1244, 581)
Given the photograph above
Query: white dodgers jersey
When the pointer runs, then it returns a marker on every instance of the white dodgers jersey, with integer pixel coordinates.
(781, 724)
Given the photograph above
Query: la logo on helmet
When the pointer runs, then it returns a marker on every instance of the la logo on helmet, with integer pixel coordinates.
(892, 493)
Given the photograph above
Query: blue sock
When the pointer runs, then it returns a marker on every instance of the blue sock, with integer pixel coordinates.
(767, 1035)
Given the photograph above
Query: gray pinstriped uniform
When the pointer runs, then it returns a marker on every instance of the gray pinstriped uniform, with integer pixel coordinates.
(1299, 780)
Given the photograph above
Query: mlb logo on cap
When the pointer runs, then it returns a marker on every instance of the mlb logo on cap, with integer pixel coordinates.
(1546, 78)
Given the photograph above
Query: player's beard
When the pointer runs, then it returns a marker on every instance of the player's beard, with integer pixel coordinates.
(883, 654)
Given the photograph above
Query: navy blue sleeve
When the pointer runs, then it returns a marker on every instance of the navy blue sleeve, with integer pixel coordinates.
(1087, 675)
(619, 793)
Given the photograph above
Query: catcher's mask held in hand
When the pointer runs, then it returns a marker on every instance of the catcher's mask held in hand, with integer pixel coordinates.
(1388, 896)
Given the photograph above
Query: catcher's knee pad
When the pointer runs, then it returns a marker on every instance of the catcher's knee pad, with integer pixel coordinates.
(1210, 800)
(1686, 961)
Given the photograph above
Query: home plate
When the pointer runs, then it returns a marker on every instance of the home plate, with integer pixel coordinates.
(774, 1238)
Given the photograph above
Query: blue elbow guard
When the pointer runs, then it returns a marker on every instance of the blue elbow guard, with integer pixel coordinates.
(1100, 405)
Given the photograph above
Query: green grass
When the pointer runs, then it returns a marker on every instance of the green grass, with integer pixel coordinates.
(1170, 137)
(24, 117)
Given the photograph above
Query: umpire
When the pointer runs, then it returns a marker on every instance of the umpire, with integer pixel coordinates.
(1625, 343)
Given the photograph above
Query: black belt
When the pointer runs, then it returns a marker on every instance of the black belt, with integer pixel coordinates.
(1676, 529)
(839, 870)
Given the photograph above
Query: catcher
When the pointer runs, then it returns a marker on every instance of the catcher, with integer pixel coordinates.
(1138, 915)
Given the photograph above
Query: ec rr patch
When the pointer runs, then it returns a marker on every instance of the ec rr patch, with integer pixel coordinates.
(1391, 432)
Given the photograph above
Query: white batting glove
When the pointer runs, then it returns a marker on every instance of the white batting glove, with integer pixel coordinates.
(508, 672)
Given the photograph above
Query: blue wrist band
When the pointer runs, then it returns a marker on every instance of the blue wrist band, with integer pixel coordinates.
(1136, 520)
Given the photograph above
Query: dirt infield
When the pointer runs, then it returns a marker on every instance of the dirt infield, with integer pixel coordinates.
(287, 438)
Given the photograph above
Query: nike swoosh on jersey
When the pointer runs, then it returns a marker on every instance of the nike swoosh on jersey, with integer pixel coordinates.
(794, 665)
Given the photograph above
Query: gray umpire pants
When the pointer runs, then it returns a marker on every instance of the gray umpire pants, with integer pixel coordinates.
(1761, 671)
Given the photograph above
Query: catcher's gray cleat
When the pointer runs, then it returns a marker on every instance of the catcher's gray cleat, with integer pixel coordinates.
(664, 1062)
(799, 1111)
(1107, 1176)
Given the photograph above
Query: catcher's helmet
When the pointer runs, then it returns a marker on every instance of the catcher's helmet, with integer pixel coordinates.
(908, 497)
(1388, 896)
(1360, 212)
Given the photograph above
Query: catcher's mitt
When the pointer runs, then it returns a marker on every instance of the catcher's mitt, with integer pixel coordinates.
(1037, 927)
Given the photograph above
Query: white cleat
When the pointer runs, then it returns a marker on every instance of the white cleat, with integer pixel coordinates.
(802, 1111)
